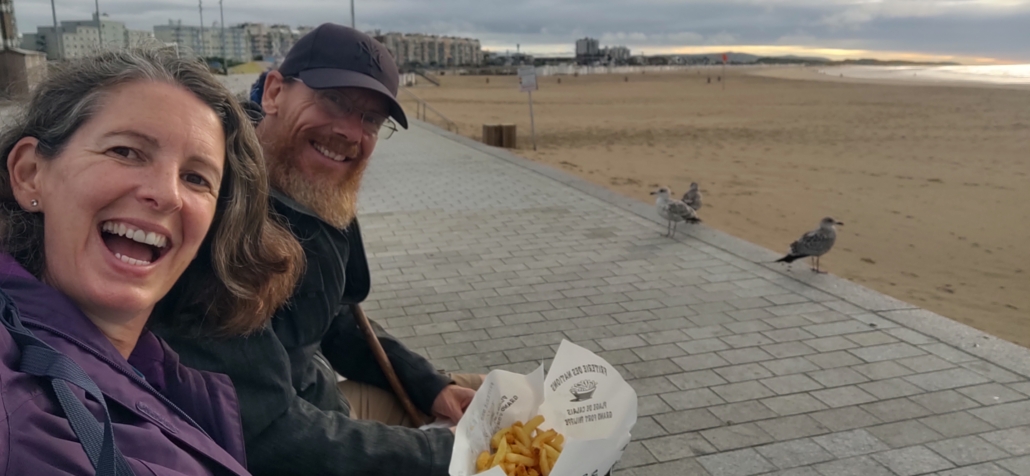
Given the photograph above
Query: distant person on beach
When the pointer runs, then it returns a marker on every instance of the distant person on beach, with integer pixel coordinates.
(325, 107)
(130, 178)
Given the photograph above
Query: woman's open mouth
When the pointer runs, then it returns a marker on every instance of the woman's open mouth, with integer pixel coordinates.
(132, 245)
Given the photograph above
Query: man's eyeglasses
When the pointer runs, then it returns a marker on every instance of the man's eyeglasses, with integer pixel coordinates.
(340, 106)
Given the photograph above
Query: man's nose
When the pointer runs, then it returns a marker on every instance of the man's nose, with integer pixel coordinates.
(350, 127)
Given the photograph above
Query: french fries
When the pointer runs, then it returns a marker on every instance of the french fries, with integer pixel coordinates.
(522, 450)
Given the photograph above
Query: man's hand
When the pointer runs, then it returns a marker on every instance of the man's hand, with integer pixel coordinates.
(452, 401)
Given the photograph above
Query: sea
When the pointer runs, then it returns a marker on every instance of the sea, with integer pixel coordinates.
(994, 74)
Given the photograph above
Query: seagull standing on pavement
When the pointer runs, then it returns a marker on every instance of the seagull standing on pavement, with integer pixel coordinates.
(673, 210)
(693, 197)
(814, 243)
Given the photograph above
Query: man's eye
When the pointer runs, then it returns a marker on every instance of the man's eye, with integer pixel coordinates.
(338, 102)
(375, 119)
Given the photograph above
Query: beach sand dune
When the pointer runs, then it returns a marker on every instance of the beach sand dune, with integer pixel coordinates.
(932, 181)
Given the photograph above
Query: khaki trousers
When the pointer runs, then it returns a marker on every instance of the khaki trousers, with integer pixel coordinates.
(368, 402)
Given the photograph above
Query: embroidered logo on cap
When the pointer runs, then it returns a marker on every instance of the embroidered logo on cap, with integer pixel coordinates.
(373, 55)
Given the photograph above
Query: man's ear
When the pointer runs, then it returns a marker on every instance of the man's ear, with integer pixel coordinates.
(24, 165)
(274, 84)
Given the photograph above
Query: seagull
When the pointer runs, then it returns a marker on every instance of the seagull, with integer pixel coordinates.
(814, 243)
(673, 210)
(693, 197)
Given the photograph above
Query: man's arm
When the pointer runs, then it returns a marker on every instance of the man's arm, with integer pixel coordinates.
(287, 435)
(347, 350)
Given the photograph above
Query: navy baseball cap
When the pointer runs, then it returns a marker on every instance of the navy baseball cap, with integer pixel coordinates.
(335, 56)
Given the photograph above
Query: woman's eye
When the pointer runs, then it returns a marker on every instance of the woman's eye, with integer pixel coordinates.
(124, 152)
(195, 179)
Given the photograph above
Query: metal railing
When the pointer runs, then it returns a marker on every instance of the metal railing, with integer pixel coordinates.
(427, 77)
(421, 107)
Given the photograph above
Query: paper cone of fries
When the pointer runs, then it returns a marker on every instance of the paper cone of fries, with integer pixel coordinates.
(574, 421)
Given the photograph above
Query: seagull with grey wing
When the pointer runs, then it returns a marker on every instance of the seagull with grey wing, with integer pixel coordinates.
(693, 197)
(673, 210)
(813, 244)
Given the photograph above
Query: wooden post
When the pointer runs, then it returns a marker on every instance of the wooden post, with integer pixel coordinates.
(500, 135)
(490, 135)
(508, 138)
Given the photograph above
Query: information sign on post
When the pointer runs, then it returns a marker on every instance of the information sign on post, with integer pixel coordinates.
(527, 78)
(527, 84)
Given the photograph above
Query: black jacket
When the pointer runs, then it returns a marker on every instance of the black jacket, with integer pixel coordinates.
(295, 420)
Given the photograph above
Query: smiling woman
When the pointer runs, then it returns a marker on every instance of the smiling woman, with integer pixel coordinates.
(134, 194)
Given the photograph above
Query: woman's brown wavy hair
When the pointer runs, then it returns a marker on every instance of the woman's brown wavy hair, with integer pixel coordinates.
(248, 264)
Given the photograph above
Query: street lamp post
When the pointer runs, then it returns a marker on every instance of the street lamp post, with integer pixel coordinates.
(203, 50)
(100, 26)
(352, 14)
(225, 60)
(58, 32)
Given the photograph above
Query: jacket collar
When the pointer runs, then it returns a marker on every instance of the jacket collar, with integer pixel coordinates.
(45, 307)
(294, 205)
(358, 281)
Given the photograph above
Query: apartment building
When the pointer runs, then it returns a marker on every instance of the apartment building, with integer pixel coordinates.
(234, 43)
(79, 38)
(432, 50)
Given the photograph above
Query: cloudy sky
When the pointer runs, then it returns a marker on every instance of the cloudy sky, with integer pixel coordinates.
(964, 30)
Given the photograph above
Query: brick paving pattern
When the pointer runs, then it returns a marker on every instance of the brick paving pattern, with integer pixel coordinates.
(481, 262)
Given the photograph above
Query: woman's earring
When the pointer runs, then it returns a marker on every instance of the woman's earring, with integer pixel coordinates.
(34, 203)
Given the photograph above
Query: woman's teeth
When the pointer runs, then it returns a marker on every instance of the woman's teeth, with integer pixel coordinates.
(134, 262)
(329, 153)
(134, 234)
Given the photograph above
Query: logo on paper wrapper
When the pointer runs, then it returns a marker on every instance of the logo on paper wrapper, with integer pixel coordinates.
(583, 390)
(582, 397)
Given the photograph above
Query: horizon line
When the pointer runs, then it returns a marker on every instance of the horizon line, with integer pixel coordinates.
(832, 54)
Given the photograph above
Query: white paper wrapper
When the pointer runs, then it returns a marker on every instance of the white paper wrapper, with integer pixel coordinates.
(583, 398)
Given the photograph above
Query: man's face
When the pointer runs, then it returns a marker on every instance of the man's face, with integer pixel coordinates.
(317, 143)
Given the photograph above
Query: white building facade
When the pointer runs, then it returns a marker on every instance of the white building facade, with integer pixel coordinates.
(80, 38)
(209, 42)
(431, 50)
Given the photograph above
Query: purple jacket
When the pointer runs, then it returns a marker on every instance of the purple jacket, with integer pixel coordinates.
(35, 437)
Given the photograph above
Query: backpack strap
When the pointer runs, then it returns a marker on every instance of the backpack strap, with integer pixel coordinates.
(41, 360)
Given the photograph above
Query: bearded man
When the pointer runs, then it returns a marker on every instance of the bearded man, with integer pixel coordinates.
(325, 108)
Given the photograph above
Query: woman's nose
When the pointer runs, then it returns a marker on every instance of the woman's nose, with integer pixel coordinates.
(160, 189)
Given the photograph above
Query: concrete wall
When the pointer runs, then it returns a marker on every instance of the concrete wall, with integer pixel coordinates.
(20, 71)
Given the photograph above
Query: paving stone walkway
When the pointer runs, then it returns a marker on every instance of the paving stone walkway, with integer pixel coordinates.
(482, 260)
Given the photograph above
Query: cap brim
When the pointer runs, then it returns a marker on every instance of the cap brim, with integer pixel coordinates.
(325, 78)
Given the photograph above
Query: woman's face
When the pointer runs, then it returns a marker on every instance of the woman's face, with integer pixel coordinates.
(129, 200)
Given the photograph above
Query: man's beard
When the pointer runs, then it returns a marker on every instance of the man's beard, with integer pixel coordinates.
(333, 198)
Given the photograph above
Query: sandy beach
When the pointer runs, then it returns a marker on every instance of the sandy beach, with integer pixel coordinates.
(931, 180)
